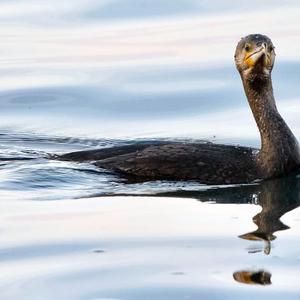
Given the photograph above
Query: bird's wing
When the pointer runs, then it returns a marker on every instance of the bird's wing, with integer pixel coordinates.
(208, 163)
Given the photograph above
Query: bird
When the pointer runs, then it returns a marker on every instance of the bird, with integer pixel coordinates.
(207, 162)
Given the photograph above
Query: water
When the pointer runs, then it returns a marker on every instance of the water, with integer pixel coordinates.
(103, 73)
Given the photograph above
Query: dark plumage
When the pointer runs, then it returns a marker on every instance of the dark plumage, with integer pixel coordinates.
(211, 163)
(175, 161)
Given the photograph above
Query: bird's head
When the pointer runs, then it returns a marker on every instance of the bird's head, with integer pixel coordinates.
(254, 56)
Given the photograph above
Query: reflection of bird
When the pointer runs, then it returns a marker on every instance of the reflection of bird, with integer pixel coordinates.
(253, 277)
(211, 163)
(277, 197)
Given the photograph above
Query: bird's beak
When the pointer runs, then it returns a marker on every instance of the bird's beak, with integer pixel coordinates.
(259, 56)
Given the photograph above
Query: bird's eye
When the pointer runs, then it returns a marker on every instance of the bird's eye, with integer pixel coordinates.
(271, 48)
(247, 47)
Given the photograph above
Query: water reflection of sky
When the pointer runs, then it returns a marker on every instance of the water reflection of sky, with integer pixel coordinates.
(139, 68)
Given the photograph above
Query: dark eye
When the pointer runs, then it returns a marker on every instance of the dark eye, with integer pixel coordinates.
(247, 48)
(271, 48)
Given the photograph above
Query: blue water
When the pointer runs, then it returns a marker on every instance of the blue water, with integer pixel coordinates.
(93, 74)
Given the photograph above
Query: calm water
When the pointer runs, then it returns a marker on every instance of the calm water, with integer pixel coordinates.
(92, 74)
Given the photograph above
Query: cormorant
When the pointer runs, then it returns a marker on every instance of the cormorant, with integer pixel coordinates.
(214, 163)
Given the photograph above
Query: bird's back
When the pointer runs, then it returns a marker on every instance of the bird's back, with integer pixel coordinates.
(205, 162)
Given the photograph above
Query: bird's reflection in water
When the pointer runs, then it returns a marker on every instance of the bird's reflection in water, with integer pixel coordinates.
(253, 277)
(276, 197)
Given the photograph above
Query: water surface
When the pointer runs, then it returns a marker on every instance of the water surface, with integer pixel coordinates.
(95, 74)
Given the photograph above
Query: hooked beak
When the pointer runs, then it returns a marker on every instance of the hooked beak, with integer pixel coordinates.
(259, 56)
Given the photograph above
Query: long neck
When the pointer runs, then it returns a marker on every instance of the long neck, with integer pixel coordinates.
(279, 153)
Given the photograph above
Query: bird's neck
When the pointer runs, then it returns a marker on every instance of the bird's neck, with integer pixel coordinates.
(279, 152)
